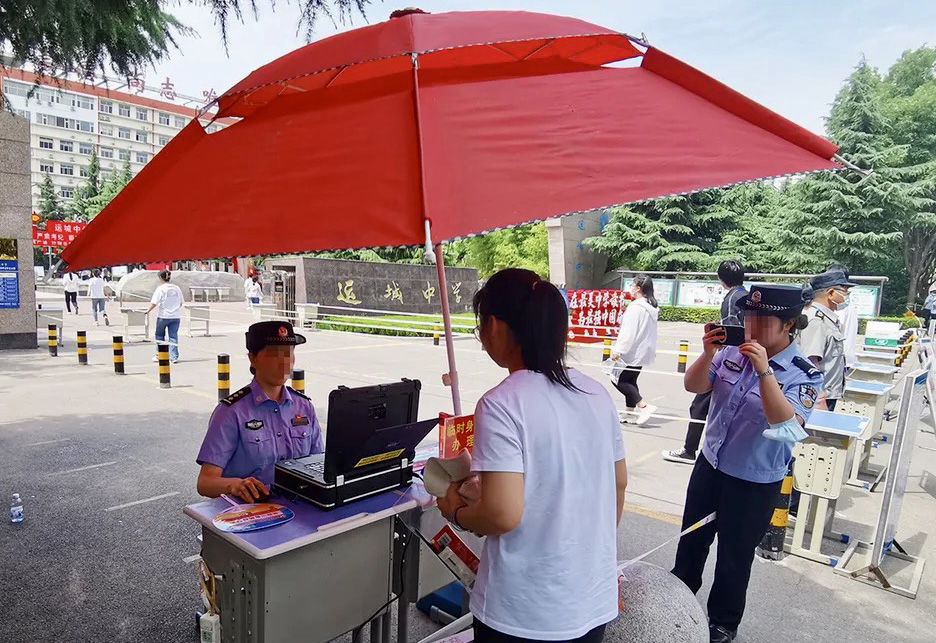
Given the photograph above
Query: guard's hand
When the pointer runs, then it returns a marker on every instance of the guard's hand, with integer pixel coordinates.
(711, 336)
(757, 354)
(248, 489)
(451, 502)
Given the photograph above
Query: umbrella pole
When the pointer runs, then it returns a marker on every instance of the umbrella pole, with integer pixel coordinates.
(450, 378)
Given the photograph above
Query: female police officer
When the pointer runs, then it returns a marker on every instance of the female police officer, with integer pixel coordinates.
(260, 424)
(762, 394)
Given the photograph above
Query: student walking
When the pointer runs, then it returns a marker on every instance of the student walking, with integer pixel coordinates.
(635, 348)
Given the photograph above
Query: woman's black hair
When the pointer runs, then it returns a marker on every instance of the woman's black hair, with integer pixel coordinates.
(96, 272)
(536, 312)
(645, 283)
(165, 275)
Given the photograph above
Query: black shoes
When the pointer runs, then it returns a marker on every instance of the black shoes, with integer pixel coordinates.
(719, 634)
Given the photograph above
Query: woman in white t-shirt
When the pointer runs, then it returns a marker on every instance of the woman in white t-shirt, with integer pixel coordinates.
(635, 348)
(71, 282)
(549, 450)
(98, 297)
(168, 298)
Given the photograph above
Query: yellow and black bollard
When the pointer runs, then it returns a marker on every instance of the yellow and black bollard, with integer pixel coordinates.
(298, 380)
(53, 340)
(118, 355)
(606, 353)
(82, 347)
(224, 375)
(683, 355)
(163, 358)
(435, 336)
(771, 545)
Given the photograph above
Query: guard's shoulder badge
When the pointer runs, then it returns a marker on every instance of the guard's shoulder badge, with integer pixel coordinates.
(806, 366)
(295, 392)
(236, 395)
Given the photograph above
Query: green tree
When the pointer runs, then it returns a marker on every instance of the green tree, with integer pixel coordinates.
(524, 246)
(50, 208)
(109, 188)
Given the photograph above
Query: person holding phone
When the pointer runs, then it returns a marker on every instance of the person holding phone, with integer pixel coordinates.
(762, 395)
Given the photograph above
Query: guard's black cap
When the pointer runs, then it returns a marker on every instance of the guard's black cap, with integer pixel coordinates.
(830, 279)
(263, 334)
(780, 300)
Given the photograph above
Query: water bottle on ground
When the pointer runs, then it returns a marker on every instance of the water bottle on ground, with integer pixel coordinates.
(16, 509)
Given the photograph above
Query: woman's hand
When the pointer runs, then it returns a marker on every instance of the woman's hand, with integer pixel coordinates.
(451, 502)
(757, 354)
(615, 357)
(711, 340)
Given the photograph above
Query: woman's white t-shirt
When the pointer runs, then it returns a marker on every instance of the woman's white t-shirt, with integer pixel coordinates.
(554, 577)
(71, 282)
(254, 289)
(168, 300)
(96, 288)
(636, 341)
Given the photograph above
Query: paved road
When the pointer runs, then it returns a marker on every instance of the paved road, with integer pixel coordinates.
(105, 464)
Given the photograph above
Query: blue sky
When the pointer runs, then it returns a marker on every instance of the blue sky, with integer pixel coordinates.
(791, 56)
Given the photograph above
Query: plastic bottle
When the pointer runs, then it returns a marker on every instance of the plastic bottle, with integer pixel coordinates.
(16, 509)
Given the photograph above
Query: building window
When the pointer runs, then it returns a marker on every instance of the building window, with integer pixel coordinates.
(142, 157)
(84, 102)
(67, 169)
(163, 118)
(44, 119)
(66, 193)
(123, 132)
(107, 152)
(163, 140)
(23, 112)
(46, 143)
(66, 146)
(142, 114)
(140, 136)
(14, 88)
(124, 110)
(85, 148)
(107, 130)
(83, 171)
(85, 126)
(123, 155)
(180, 121)
(47, 168)
(106, 106)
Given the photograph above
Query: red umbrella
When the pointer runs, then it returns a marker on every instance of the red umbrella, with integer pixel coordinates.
(426, 128)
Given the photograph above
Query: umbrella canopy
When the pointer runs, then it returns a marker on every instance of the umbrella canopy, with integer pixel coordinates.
(471, 121)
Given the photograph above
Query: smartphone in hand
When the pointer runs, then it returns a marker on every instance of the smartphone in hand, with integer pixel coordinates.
(734, 335)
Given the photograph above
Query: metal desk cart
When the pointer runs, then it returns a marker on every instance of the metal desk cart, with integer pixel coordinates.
(818, 474)
(864, 399)
(872, 373)
(311, 579)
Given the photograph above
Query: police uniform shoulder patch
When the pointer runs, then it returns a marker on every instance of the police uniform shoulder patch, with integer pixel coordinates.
(295, 392)
(806, 366)
(808, 395)
(236, 396)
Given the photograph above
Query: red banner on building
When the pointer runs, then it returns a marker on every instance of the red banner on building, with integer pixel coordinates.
(595, 314)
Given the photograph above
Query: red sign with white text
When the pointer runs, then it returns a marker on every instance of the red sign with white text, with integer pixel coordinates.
(57, 234)
(595, 314)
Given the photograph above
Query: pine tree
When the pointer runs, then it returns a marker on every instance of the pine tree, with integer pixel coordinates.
(50, 208)
(109, 188)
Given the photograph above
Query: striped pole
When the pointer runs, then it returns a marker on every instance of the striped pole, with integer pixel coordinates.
(683, 356)
(771, 545)
(163, 356)
(606, 353)
(298, 380)
(118, 355)
(435, 336)
(53, 340)
(82, 347)
(224, 375)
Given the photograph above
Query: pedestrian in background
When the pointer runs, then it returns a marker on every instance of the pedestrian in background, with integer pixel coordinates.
(635, 348)
(731, 274)
(762, 395)
(98, 297)
(823, 340)
(929, 307)
(848, 318)
(168, 299)
(71, 283)
(254, 291)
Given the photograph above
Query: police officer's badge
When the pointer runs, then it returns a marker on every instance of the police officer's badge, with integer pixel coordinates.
(733, 366)
(254, 424)
(808, 395)
(756, 297)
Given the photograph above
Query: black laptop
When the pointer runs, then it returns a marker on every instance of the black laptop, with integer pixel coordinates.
(371, 442)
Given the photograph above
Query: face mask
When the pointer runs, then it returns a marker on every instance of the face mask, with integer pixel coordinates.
(789, 431)
(845, 303)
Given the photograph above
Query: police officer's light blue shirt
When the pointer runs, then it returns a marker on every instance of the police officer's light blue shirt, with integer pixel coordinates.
(734, 443)
(249, 433)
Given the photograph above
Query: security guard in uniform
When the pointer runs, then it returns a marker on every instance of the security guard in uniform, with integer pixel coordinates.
(823, 340)
(261, 424)
(762, 394)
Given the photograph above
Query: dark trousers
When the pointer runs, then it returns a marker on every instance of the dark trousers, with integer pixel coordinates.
(71, 298)
(744, 511)
(627, 384)
(698, 410)
(484, 634)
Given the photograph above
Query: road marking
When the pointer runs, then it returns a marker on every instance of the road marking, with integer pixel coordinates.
(191, 559)
(36, 444)
(90, 466)
(672, 519)
(140, 502)
(645, 457)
